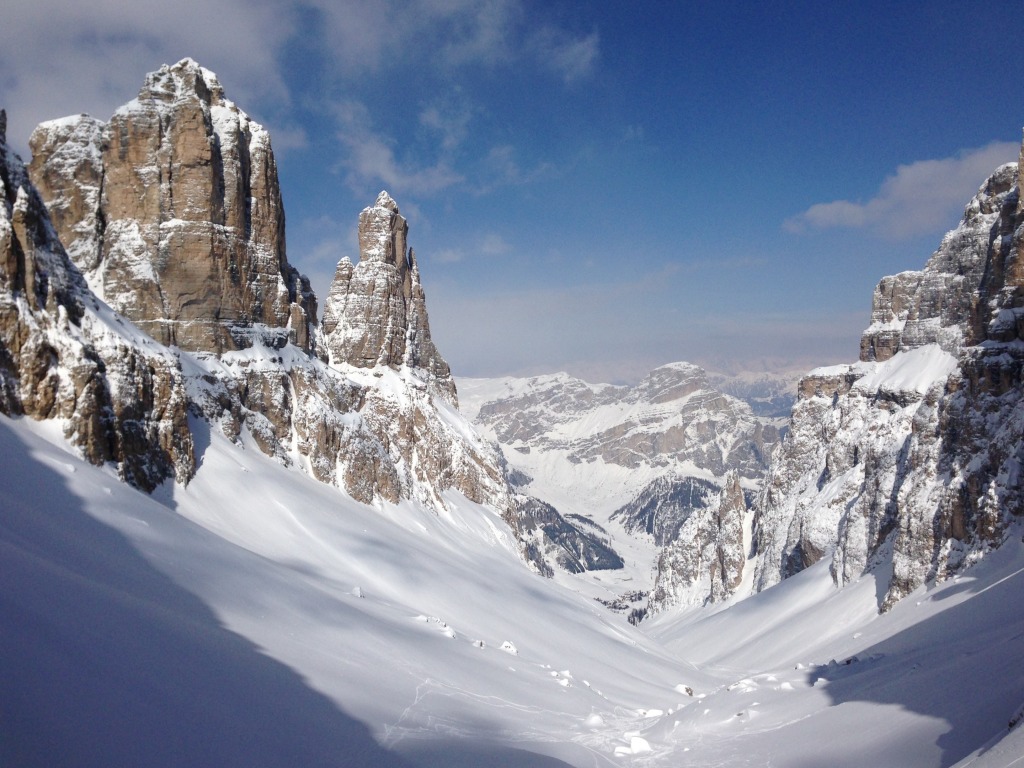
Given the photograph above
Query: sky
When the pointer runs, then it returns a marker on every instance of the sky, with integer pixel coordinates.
(598, 188)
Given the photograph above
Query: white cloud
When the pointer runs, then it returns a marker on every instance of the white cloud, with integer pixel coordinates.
(920, 198)
(449, 34)
(59, 57)
(370, 158)
(494, 245)
(487, 245)
(448, 256)
(571, 58)
(475, 32)
(451, 124)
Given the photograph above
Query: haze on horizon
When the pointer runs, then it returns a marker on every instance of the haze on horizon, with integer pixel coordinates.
(589, 188)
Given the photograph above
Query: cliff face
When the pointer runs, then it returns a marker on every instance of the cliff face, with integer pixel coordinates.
(173, 216)
(173, 212)
(911, 458)
(704, 564)
(376, 312)
(64, 355)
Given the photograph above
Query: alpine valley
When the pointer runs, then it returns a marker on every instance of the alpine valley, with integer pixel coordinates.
(235, 530)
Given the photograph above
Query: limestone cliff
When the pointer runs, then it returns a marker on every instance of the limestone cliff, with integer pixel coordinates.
(910, 459)
(375, 313)
(65, 356)
(173, 212)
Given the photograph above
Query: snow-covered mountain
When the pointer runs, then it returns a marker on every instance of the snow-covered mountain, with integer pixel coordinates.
(768, 393)
(637, 461)
(909, 462)
(174, 216)
(230, 534)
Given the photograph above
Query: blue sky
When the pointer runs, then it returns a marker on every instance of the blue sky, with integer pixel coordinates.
(591, 187)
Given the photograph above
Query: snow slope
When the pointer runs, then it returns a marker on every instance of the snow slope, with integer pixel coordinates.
(257, 617)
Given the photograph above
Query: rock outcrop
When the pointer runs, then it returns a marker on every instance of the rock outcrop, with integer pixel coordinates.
(911, 458)
(173, 212)
(174, 216)
(376, 313)
(705, 563)
(573, 546)
(64, 355)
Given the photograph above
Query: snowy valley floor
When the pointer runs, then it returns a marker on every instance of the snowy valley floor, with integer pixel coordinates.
(259, 618)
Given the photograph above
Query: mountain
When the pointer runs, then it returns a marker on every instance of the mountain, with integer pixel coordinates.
(636, 462)
(231, 534)
(768, 393)
(908, 462)
(174, 214)
(174, 217)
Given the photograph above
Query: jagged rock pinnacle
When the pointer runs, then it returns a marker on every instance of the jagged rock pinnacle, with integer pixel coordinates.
(375, 313)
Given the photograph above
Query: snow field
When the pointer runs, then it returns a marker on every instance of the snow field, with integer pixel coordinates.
(424, 640)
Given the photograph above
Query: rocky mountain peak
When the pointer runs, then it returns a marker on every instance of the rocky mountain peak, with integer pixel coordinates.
(376, 312)
(182, 81)
(382, 233)
(949, 302)
(173, 212)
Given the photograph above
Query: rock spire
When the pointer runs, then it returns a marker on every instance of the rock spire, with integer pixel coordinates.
(376, 313)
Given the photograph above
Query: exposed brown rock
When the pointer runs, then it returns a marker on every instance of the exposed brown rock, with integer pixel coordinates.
(375, 312)
(119, 402)
(174, 213)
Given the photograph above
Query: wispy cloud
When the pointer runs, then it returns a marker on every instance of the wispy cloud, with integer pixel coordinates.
(500, 167)
(451, 124)
(494, 245)
(918, 199)
(571, 58)
(59, 57)
(449, 34)
(370, 158)
(487, 245)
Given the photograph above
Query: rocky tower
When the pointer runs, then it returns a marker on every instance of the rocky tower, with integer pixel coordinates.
(376, 312)
(911, 458)
(173, 212)
(63, 355)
